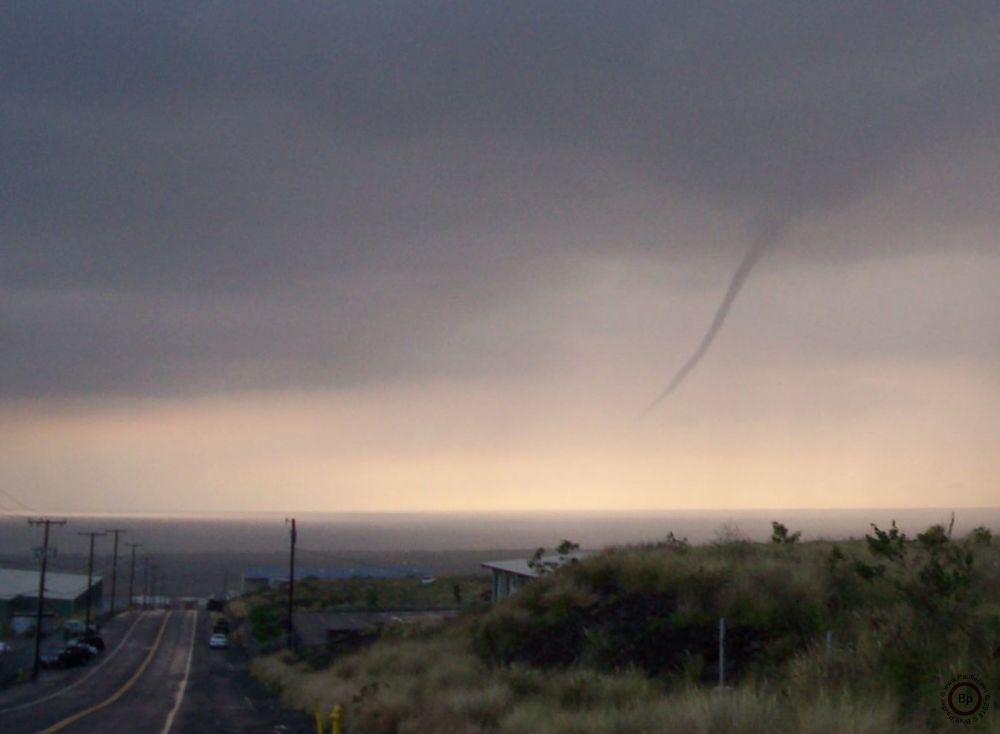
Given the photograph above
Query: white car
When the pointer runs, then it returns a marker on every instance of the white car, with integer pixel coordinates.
(218, 641)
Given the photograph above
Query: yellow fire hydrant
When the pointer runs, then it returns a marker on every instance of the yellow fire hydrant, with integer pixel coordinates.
(335, 720)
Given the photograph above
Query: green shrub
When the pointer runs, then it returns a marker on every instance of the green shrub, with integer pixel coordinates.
(980, 536)
(266, 623)
(781, 536)
(656, 610)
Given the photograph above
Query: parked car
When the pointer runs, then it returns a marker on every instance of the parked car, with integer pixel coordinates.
(93, 640)
(218, 641)
(4, 647)
(221, 626)
(74, 655)
(87, 647)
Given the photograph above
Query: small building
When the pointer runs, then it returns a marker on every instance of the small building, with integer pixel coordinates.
(510, 576)
(65, 595)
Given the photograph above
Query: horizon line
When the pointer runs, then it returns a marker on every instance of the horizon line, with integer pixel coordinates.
(223, 514)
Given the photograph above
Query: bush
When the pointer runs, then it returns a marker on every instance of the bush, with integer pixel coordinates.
(655, 610)
(980, 536)
(266, 624)
(781, 536)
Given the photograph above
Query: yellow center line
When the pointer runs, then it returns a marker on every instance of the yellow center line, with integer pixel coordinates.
(59, 726)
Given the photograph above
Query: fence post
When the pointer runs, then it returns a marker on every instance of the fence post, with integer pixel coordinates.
(335, 719)
(722, 652)
(319, 722)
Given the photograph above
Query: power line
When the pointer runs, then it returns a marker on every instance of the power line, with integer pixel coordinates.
(8, 511)
(25, 507)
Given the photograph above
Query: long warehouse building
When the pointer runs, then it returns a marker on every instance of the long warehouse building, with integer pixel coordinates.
(65, 595)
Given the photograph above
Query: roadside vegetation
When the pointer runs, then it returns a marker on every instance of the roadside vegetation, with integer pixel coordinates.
(852, 636)
(266, 610)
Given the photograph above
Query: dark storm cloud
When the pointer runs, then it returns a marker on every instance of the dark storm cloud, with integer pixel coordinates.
(165, 161)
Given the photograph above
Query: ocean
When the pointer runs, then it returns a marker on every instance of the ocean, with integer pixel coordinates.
(199, 554)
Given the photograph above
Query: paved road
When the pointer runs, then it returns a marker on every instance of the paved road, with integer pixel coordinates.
(158, 676)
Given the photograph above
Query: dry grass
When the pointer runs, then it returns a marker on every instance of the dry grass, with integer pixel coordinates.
(437, 686)
(706, 711)
(422, 681)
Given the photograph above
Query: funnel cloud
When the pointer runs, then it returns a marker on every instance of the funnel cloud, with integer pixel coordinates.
(416, 256)
(764, 239)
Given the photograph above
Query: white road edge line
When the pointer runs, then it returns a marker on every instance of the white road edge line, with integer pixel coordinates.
(184, 681)
(84, 679)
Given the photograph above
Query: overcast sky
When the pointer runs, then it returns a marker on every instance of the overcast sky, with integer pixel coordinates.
(441, 255)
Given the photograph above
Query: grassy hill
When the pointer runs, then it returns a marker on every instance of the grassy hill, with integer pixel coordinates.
(821, 637)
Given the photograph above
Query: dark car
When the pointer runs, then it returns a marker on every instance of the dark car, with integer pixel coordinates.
(94, 641)
(74, 655)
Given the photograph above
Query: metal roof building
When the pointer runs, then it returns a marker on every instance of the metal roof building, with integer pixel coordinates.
(509, 576)
(65, 593)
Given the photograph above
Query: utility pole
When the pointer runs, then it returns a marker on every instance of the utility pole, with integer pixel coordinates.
(114, 566)
(145, 583)
(291, 583)
(131, 575)
(157, 577)
(161, 575)
(41, 587)
(90, 575)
